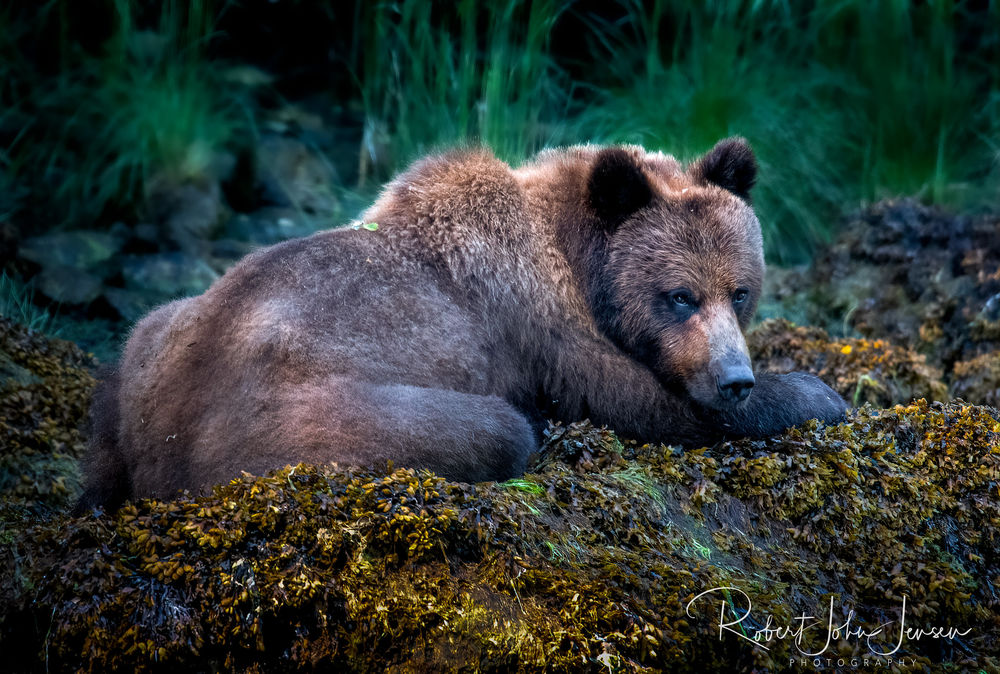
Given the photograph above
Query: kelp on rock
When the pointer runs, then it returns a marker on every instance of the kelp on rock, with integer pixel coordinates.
(45, 388)
(587, 562)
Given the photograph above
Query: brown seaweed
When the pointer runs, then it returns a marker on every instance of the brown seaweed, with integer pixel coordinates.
(588, 562)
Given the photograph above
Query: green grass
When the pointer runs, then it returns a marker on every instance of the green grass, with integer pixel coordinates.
(146, 110)
(640, 481)
(482, 75)
(9, 35)
(919, 122)
(11, 194)
(844, 101)
(17, 304)
(523, 490)
(699, 550)
(522, 485)
(156, 125)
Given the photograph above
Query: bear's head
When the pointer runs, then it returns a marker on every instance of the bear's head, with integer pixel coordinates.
(680, 265)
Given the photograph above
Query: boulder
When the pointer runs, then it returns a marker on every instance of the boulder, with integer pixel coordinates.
(861, 370)
(915, 276)
(269, 225)
(83, 250)
(132, 305)
(187, 214)
(151, 280)
(167, 275)
(291, 174)
(978, 379)
(69, 285)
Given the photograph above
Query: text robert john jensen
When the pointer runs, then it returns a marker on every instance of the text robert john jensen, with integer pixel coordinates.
(807, 631)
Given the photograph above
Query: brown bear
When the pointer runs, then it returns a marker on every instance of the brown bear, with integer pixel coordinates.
(475, 301)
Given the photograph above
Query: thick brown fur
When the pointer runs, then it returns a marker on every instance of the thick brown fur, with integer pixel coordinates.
(486, 299)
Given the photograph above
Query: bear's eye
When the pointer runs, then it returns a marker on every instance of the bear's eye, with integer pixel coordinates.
(740, 296)
(681, 298)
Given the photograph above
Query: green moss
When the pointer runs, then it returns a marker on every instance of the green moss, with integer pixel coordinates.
(319, 568)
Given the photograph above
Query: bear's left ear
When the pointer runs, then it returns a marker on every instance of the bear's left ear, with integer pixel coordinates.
(617, 187)
(730, 165)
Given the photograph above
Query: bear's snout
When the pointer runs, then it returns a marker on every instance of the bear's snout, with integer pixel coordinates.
(727, 376)
(735, 379)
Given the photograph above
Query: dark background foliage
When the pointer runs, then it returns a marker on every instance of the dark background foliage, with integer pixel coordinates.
(207, 127)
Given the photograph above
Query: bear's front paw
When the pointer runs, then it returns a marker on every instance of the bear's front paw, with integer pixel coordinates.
(780, 401)
(811, 398)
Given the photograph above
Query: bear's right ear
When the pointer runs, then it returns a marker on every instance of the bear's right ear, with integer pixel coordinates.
(617, 187)
(730, 165)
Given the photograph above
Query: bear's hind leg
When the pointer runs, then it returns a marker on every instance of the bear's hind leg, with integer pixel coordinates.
(106, 478)
(459, 436)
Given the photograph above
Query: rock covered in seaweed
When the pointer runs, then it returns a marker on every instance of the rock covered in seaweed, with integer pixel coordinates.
(588, 562)
(978, 379)
(45, 388)
(910, 273)
(860, 370)
(916, 276)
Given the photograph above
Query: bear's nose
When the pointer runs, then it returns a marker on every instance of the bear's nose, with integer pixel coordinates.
(735, 382)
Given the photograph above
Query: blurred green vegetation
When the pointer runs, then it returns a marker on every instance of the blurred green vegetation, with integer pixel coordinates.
(430, 82)
(845, 101)
(17, 304)
(107, 123)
